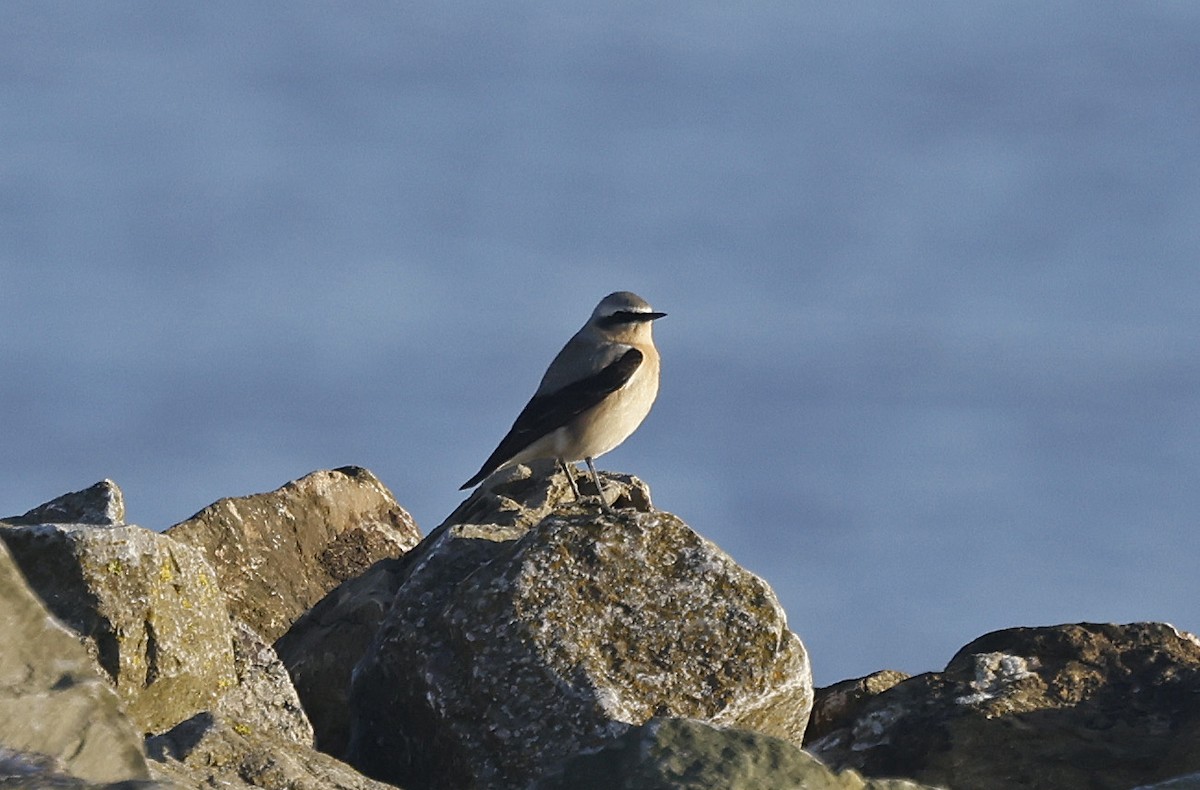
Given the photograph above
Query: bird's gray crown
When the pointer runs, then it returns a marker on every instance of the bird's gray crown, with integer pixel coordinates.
(623, 307)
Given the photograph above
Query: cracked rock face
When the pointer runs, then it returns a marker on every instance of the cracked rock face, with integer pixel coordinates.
(512, 645)
(56, 713)
(148, 608)
(1071, 706)
(277, 554)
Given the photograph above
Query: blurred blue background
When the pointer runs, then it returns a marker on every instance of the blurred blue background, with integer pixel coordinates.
(931, 366)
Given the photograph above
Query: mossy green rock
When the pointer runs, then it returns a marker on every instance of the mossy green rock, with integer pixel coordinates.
(680, 754)
(148, 608)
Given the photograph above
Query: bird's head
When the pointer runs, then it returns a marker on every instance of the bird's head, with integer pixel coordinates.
(623, 314)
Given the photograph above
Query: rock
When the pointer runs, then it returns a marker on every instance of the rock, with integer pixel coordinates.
(212, 750)
(1189, 782)
(102, 504)
(57, 716)
(148, 607)
(263, 698)
(1072, 706)
(682, 754)
(322, 647)
(277, 554)
(513, 642)
(834, 706)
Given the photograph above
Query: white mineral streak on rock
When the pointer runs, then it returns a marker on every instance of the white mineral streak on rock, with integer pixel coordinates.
(995, 673)
(872, 730)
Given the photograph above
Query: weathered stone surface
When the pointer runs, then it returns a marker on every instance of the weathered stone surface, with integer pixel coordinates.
(1189, 782)
(277, 554)
(57, 716)
(1072, 706)
(263, 699)
(510, 646)
(322, 647)
(834, 706)
(682, 754)
(148, 607)
(102, 504)
(215, 751)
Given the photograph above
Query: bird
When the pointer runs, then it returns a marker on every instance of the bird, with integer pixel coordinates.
(596, 392)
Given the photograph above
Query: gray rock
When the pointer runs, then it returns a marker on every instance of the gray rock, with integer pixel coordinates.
(263, 699)
(212, 750)
(323, 645)
(509, 646)
(682, 754)
(57, 716)
(1073, 706)
(102, 504)
(834, 706)
(277, 554)
(1189, 782)
(148, 608)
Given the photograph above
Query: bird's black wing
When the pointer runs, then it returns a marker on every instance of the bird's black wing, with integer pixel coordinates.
(545, 413)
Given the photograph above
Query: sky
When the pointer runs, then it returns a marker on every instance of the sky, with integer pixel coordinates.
(931, 361)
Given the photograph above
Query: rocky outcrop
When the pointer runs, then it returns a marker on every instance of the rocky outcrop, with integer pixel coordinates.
(682, 754)
(101, 504)
(59, 721)
(529, 639)
(834, 706)
(1073, 706)
(516, 640)
(149, 609)
(277, 554)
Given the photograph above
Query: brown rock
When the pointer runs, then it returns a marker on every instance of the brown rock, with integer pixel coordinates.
(509, 647)
(1072, 706)
(277, 554)
(834, 706)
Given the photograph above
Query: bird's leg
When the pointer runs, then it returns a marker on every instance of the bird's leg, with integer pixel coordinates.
(570, 473)
(599, 488)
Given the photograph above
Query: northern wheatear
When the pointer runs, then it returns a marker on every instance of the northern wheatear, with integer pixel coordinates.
(595, 393)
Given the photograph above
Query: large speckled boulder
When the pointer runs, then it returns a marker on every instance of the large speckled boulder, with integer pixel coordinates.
(323, 645)
(277, 554)
(511, 646)
(681, 754)
(1102, 707)
(148, 608)
(58, 719)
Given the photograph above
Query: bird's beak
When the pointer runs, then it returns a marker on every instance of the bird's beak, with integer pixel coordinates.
(650, 316)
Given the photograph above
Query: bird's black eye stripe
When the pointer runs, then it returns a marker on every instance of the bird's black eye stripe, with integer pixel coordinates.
(622, 317)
